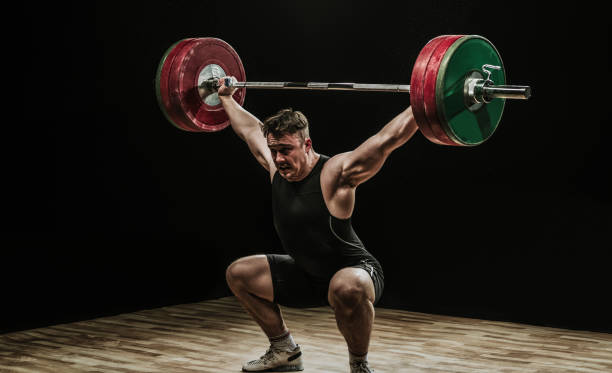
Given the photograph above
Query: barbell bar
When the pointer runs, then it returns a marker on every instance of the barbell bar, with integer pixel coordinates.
(487, 92)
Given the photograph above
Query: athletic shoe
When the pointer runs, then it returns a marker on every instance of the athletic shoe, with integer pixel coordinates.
(360, 367)
(275, 360)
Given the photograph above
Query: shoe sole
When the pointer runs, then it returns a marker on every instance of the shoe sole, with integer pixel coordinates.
(284, 368)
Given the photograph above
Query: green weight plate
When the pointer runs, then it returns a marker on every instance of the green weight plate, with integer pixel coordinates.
(466, 56)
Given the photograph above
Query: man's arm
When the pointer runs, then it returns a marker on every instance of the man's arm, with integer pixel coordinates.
(357, 166)
(247, 127)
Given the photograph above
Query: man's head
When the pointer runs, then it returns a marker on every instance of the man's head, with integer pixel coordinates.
(289, 142)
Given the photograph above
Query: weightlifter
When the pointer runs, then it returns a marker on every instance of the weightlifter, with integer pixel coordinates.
(313, 197)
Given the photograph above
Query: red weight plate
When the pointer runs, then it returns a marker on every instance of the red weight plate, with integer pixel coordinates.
(189, 63)
(429, 90)
(169, 92)
(416, 87)
(164, 72)
(174, 82)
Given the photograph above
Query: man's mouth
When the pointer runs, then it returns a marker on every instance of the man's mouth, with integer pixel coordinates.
(284, 167)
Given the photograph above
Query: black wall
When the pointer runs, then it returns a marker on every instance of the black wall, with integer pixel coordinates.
(111, 209)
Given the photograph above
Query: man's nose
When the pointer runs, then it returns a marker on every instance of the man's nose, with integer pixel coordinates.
(279, 157)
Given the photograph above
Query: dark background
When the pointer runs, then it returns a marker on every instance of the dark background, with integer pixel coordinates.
(111, 209)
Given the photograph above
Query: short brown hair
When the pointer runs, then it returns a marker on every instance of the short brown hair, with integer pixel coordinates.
(286, 121)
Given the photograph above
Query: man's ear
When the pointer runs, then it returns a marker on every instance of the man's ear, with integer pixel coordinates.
(308, 143)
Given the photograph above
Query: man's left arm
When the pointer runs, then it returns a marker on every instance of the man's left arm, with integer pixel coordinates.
(367, 159)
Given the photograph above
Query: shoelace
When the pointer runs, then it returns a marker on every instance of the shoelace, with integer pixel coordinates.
(268, 356)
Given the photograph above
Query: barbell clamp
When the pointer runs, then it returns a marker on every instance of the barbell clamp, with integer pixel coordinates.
(483, 91)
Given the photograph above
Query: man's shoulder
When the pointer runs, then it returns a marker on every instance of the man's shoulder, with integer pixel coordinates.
(335, 159)
(331, 173)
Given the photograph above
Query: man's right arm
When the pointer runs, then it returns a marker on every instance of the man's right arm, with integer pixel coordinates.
(248, 128)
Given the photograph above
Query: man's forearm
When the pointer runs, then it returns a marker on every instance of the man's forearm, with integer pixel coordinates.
(241, 120)
(399, 130)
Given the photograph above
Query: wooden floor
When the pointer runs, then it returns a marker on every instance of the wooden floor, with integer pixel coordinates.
(216, 336)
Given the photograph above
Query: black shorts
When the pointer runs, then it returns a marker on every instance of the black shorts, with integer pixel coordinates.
(293, 287)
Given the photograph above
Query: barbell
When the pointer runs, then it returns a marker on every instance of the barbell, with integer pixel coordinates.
(457, 87)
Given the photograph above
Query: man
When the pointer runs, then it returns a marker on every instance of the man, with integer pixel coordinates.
(312, 201)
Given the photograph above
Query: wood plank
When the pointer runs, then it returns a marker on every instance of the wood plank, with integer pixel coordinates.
(217, 336)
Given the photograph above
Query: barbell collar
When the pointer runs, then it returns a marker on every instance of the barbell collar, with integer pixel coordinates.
(481, 91)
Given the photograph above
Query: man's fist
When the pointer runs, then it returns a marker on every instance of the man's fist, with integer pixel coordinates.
(224, 90)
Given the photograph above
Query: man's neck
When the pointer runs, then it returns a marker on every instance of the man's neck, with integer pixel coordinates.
(311, 162)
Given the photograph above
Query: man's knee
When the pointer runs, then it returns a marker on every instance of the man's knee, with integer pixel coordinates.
(251, 273)
(236, 273)
(348, 293)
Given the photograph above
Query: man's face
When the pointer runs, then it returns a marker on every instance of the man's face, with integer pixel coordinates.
(290, 155)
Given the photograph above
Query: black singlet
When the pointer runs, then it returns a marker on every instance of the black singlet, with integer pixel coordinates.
(318, 242)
